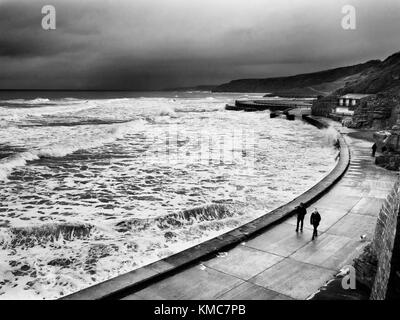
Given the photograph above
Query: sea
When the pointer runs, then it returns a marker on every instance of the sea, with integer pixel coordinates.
(97, 184)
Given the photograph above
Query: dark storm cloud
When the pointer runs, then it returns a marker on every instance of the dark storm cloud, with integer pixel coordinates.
(22, 36)
(147, 44)
(13, 26)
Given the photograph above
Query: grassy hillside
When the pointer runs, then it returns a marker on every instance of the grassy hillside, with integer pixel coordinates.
(379, 112)
(384, 78)
(314, 84)
(381, 78)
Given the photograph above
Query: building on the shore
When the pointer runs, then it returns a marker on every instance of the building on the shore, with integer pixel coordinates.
(347, 104)
(341, 107)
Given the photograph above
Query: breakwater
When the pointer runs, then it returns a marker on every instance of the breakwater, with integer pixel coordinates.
(271, 104)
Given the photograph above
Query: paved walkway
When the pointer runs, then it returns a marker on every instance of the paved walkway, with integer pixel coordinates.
(283, 264)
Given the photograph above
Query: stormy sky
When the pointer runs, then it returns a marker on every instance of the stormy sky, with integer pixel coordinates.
(155, 44)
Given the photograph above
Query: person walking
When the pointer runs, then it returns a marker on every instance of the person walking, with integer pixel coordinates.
(315, 219)
(337, 144)
(301, 212)
(373, 149)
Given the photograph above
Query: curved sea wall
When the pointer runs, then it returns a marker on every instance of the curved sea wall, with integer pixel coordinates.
(141, 277)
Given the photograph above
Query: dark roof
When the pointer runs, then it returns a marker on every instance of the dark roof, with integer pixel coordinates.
(356, 96)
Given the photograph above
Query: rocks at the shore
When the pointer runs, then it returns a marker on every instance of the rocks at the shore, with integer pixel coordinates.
(388, 161)
(377, 112)
(334, 291)
(366, 266)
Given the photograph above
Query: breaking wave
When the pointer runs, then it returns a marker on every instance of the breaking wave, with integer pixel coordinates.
(72, 123)
(331, 135)
(167, 111)
(27, 101)
(213, 212)
(40, 235)
(62, 148)
(196, 110)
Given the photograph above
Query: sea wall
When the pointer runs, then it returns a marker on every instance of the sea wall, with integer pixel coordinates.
(386, 246)
(324, 105)
(141, 277)
(316, 122)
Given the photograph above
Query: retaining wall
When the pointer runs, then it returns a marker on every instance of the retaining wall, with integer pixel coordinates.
(386, 245)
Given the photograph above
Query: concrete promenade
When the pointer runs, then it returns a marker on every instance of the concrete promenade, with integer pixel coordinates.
(280, 263)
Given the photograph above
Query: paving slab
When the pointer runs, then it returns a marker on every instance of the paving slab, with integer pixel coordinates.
(328, 251)
(133, 297)
(233, 263)
(250, 291)
(378, 193)
(340, 202)
(192, 283)
(293, 278)
(368, 206)
(354, 225)
(106, 288)
(281, 240)
(343, 191)
(282, 297)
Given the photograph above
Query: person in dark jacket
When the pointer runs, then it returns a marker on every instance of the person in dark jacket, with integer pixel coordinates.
(301, 212)
(315, 219)
(337, 144)
(373, 149)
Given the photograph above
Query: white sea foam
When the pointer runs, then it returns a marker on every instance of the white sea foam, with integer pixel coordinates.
(167, 111)
(64, 145)
(176, 172)
(27, 101)
(11, 162)
(331, 135)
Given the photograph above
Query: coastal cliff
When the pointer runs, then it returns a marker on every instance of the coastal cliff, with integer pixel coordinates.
(381, 78)
(310, 84)
(380, 111)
